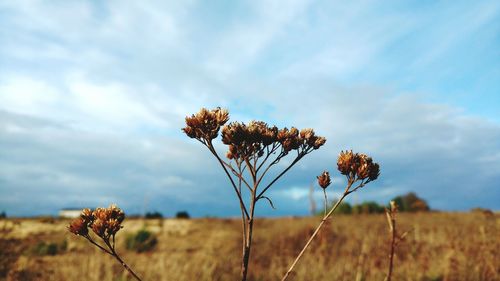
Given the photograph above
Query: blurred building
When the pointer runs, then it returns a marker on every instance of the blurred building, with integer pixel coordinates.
(70, 213)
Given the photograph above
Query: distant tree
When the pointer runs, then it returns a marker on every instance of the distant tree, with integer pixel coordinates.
(344, 208)
(141, 241)
(3, 215)
(153, 215)
(484, 211)
(368, 207)
(182, 215)
(411, 203)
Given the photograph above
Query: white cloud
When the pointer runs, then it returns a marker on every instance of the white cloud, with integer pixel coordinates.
(242, 43)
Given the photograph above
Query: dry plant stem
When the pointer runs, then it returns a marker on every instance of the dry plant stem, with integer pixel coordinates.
(314, 235)
(117, 257)
(391, 220)
(250, 147)
(222, 163)
(111, 251)
(326, 201)
(393, 247)
(249, 225)
(248, 216)
(347, 191)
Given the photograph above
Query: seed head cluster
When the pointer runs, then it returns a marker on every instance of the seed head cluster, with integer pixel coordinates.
(246, 141)
(324, 180)
(104, 222)
(357, 166)
(205, 124)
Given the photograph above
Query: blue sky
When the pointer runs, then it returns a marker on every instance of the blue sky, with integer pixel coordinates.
(93, 95)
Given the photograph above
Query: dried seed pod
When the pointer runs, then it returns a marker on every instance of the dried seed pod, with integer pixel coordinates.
(374, 172)
(324, 179)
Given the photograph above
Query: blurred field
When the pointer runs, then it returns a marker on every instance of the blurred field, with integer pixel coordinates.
(440, 246)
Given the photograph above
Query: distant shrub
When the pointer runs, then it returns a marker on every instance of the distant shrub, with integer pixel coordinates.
(153, 215)
(141, 241)
(411, 203)
(368, 207)
(48, 248)
(344, 208)
(3, 215)
(484, 211)
(182, 215)
(47, 219)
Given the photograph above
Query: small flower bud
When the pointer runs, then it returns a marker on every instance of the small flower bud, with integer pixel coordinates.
(324, 179)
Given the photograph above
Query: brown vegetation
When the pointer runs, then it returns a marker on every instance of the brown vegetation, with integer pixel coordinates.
(254, 149)
(441, 246)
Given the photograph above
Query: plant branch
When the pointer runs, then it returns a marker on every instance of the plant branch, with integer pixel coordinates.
(313, 235)
(238, 194)
(119, 259)
(97, 245)
(280, 175)
(326, 201)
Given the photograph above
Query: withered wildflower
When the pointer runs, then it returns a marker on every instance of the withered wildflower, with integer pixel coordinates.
(396, 238)
(324, 179)
(87, 215)
(358, 168)
(79, 227)
(247, 141)
(253, 149)
(105, 223)
(205, 125)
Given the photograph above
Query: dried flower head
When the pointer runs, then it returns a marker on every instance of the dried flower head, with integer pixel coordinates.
(357, 166)
(309, 137)
(324, 179)
(78, 227)
(205, 124)
(104, 222)
(107, 221)
(250, 140)
(87, 215)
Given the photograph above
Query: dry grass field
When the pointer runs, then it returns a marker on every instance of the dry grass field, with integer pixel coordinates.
(440, 246)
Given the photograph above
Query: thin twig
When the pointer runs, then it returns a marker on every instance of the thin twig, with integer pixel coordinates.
(312, 237)
(238, 194)
(326, 201)
(279, 176)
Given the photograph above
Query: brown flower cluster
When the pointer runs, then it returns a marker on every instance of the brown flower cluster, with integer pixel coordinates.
(357, 166)
(250, 140)
(104, 222)
(324, 180)
(205, 124)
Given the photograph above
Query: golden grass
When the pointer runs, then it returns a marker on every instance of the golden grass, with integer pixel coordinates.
(440, 246)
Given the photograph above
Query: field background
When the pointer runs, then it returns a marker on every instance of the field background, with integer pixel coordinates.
(440, 246)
